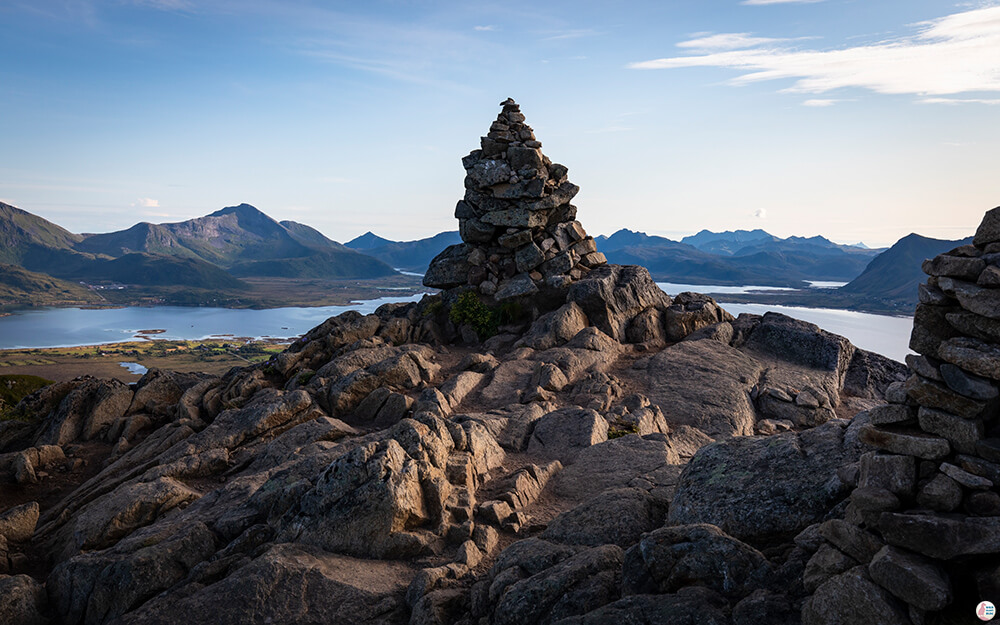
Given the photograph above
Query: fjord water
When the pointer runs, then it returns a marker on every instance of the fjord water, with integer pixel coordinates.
(64, 327)
(889, 336)
(882, 334)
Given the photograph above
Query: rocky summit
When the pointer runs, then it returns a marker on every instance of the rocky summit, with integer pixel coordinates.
(519, 230)
(590, 452)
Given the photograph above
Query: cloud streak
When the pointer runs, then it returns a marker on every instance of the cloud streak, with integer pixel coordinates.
(727, 41)
(955, 54)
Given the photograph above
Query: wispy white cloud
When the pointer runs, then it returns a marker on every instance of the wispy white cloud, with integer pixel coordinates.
(820, 102)
(488, 27)
(570, 34)
(992, 101)
(761, 2)
(146, 202)
(727, 41)
(958, 53)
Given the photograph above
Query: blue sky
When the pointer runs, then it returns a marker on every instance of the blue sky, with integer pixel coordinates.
(853, 119)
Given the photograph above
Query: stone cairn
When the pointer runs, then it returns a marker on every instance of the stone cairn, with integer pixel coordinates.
(518, 227)
(925, 516)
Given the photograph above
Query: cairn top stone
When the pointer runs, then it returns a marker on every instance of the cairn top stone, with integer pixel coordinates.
(989, 229)
(518, 225)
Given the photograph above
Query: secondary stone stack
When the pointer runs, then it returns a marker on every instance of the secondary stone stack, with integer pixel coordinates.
(927, 508)
(518, 227)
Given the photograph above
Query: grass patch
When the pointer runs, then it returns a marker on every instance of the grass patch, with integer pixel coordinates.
(485, 320)
(618, 429)
(14, 388)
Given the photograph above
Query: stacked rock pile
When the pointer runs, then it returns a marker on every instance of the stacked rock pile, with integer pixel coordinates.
(924, 519)
(518, 227)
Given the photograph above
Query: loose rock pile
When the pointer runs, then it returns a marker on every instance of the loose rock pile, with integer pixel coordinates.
(518, 228)
(922, 532)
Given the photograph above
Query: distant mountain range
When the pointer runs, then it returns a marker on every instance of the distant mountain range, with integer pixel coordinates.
(41, 262)
(206, 254)
(210, 252)
(887, 285)
(737, 257)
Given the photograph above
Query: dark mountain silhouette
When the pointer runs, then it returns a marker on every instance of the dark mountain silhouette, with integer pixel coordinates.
(895, 273)
(367, 241)
(761, 258)
(406, 255)
(726, 242)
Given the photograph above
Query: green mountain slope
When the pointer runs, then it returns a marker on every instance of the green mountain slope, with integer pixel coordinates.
(158, 270)
(20, 286)
(37, 244)
(244, 240)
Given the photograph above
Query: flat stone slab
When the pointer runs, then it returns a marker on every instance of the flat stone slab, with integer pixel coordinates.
(905, 442)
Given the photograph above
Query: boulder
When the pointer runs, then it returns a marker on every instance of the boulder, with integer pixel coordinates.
(690, 312)
(612, 295)
(555, 328)
(824, 564)
(22, 601)
(989, 229)
(364, 504)
(450, 268)
(123, 510)
(704, 384)
(574, 586)
(759, 488)
(916, 580)
(798, 342)
(614, 464)
(158, 391)
(617, 517)
(852, 598)
(290, 583)
(104, 585)
(85, 411)
(941, 493)
(941, 537)
(18, 523)
(762, 606)
(670, 558)
(564, 433)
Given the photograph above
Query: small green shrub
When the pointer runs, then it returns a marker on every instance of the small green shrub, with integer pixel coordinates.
(305, 376)
(470, 310)
(14, 388)
(618, 429)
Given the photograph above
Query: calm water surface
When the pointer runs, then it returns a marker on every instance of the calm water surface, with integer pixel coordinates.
(889, 336)
(673, 288)
(881, 334)
(65, 327)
